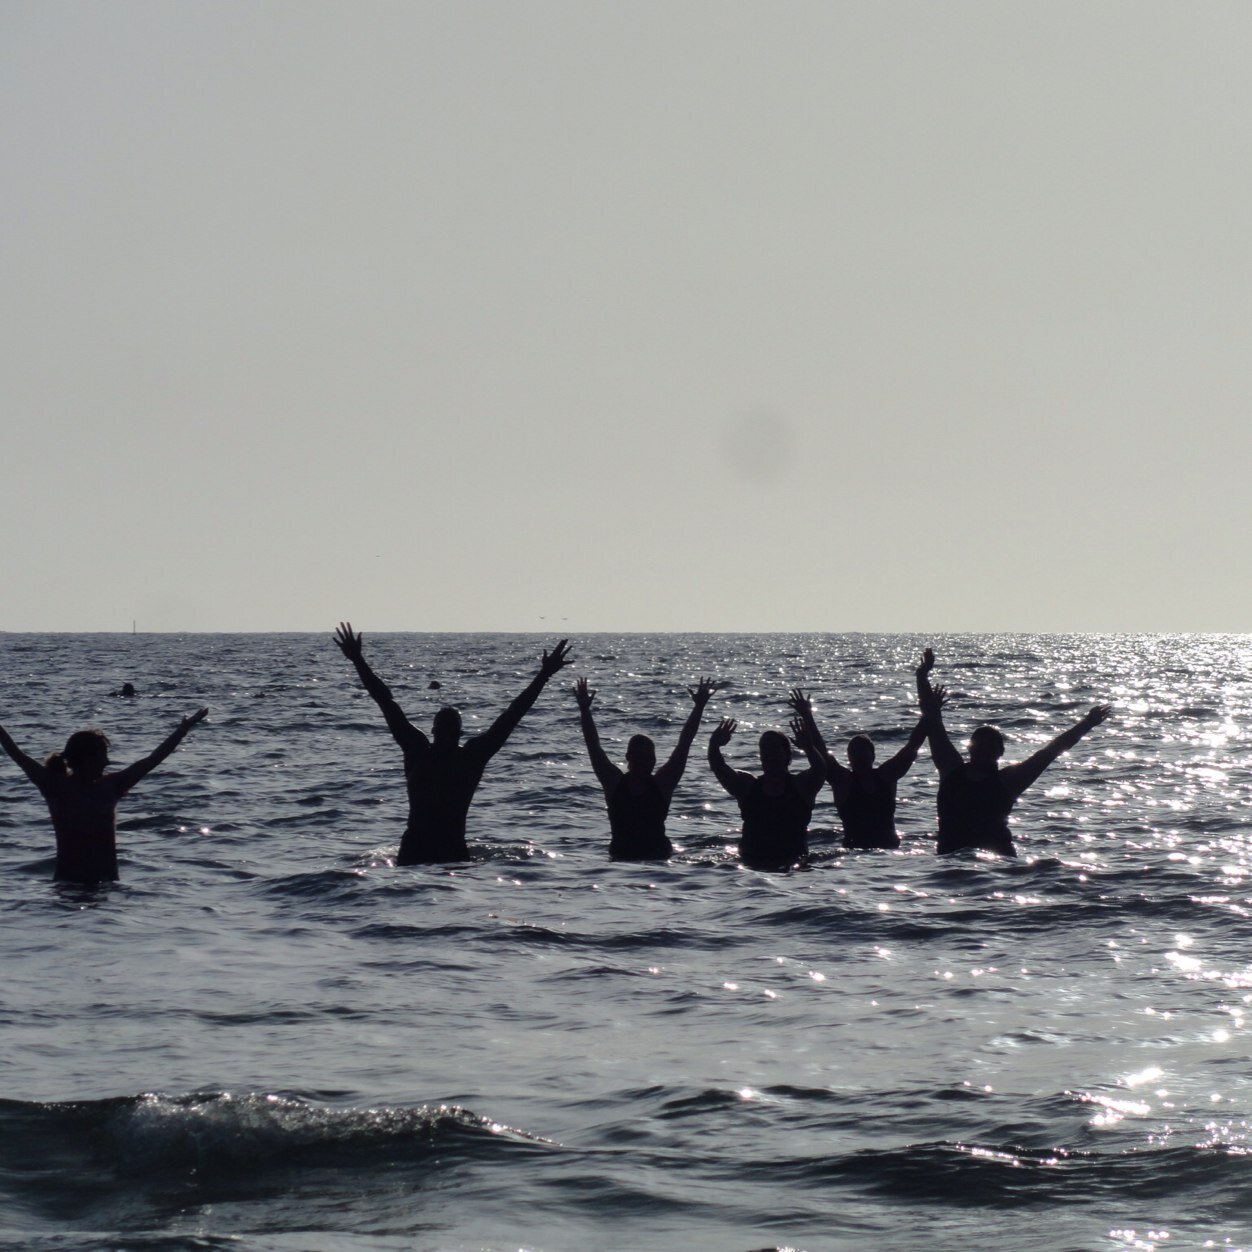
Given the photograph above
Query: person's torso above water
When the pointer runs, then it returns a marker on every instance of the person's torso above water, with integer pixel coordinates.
(637, 809)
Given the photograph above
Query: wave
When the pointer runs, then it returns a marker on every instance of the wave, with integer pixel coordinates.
(994, 1175)
(73, 1159)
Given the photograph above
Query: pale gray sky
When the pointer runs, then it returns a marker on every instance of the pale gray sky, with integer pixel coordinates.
(693, 315)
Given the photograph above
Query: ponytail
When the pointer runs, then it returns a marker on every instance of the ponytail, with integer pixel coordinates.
(85, 752)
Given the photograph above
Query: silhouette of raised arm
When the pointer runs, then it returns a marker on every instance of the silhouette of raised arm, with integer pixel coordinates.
(813, 778)
(608, 773)
(402, 730)
(900, 764)
(496, 735)
(931, 699)
(128, 777)
(801, 703)
(33, 770)
(735, 782)
(1020, 776)
(670, 773)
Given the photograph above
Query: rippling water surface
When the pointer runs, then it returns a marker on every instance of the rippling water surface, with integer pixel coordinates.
(267, 1035)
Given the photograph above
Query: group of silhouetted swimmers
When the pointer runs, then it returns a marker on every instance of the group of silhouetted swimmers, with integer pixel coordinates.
(442, 773)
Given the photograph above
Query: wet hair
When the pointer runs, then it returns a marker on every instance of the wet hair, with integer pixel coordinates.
(82, 749)
(990, 740)
(860, 746)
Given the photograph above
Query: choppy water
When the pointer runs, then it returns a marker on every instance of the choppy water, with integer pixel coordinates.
(269, 1036)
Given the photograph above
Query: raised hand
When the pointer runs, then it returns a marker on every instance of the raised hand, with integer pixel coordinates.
(701, 692)
(584, 695)
(801, 701)
(800, 734)
(927, 663)
(721, 735)
(941, 695)
(349, 642)
(1098, 713)
(557, 659)
(193, 719)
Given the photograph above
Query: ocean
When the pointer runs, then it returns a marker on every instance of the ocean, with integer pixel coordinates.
(268, 1035)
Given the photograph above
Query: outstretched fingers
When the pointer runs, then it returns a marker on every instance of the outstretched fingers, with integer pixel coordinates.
(348, 640)
(927, 663)
(583, 694)
(1098, 714)
(702, 691)
(800, 700)
(557, 659)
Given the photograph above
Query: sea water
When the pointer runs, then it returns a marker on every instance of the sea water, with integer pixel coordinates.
(267, 1035)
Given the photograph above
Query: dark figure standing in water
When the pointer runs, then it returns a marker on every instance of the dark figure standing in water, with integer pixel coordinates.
(865, 795)
(441, 772)
(775, 807)
(976, 796)
(82, 798)
(638, 799)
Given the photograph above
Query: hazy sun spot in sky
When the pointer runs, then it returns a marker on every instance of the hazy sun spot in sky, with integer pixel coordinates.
(759, 446)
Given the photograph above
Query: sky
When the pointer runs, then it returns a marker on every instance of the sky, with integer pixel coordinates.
(568, 315)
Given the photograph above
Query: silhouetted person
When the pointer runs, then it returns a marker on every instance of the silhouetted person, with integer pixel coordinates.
(82, 798)
(127, 692)
(865, 795)
(638, 799)
(976, 796)
(775, 807)
(441, 772)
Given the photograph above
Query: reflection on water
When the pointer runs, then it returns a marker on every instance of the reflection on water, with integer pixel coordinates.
(1049, 1052)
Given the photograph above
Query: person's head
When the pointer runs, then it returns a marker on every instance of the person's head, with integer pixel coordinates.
(85, 755)
(128, 690)
(640, 755)
(446, 730)
(860, 752)
(986, 745)
(775, 749)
